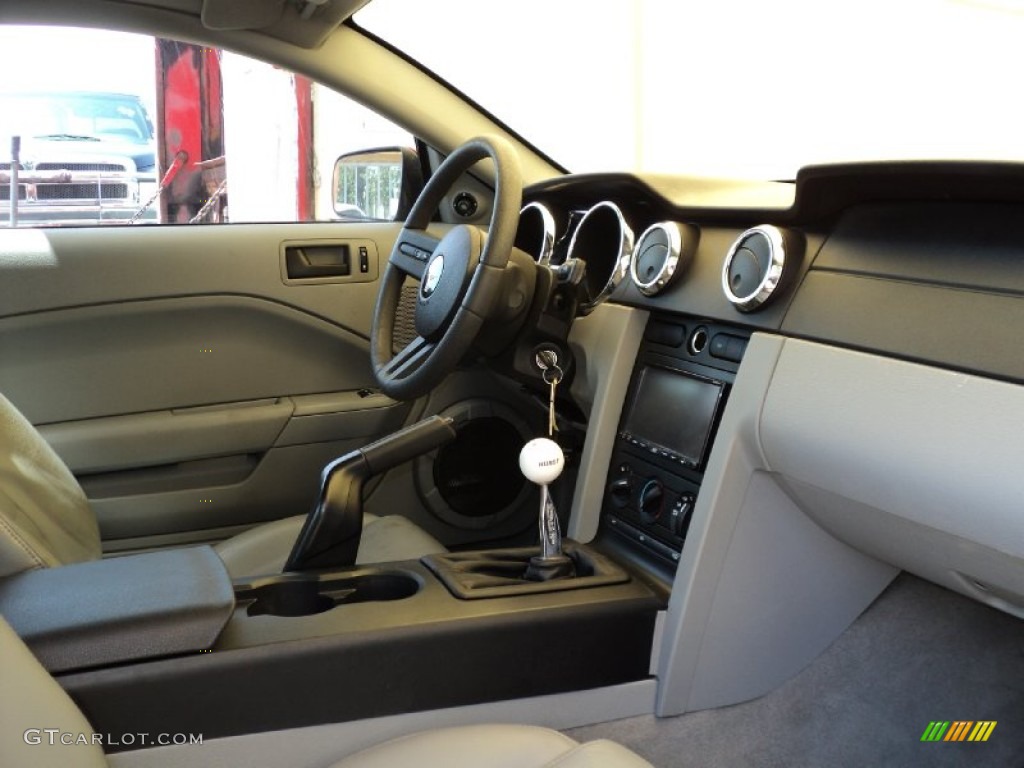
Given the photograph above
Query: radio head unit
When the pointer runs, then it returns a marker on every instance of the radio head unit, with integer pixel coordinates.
(672, 414)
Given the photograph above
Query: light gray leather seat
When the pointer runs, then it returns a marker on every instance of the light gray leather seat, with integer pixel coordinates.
(32, 701)
(45, 519)
(494, 746)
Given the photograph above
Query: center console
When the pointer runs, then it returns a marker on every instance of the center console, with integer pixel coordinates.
(370, 641)
(679, 387)
(331, 641)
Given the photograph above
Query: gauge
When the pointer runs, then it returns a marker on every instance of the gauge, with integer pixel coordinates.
(536, 232)
(604, 241)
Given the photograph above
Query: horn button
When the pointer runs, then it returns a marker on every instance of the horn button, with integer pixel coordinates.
(446, 279)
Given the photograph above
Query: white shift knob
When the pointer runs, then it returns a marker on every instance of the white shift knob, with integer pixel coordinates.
(541, 460)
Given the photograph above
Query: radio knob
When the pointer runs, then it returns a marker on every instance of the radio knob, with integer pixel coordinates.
(650, 500)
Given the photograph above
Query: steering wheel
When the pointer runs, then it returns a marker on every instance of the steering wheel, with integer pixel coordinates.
(460, 277)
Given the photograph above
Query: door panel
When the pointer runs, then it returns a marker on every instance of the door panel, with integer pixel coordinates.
(217, 466)
(192, 386)
(280, 483)
(158, 438)
(59, 268)
(143, 356)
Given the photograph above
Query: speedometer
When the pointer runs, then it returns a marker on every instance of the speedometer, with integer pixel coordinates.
(536, 232)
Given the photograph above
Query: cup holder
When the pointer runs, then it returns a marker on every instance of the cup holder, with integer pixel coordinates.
(305, 596)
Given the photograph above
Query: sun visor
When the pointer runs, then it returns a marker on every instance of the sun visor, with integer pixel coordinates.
(306, 23)
(254, 14)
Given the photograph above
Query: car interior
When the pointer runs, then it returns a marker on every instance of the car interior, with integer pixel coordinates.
(611, 469)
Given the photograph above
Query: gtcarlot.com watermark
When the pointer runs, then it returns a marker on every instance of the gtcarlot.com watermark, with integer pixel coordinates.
(53, 736)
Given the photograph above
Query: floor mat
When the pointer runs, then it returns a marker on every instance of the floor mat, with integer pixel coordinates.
(919, 654)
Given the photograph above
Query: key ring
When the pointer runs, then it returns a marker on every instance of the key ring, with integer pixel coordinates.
(552, 375)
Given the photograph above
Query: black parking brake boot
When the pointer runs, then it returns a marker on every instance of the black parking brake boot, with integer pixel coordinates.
(330, 536)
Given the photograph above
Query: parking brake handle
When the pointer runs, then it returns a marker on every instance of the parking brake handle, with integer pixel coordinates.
(330, 536)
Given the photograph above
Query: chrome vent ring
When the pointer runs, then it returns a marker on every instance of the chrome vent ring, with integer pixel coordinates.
(754, 267)
(662, 252)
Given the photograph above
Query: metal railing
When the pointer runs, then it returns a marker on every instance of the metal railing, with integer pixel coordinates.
(15, 187)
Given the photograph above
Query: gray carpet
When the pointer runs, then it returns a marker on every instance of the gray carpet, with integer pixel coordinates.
(919, 653)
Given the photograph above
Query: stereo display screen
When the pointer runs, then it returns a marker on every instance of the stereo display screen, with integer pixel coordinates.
(674, 411)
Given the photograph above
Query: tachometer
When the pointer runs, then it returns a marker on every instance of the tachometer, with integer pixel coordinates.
(604, 241)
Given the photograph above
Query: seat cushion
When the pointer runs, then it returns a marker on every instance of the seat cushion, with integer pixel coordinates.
(263, 550)
(494, 746)
(33, 701)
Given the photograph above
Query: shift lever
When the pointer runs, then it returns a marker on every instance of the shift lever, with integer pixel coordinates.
(330, 536)
(542, 461)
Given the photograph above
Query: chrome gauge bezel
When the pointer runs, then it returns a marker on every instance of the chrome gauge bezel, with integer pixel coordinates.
(669, 268)
(549, 231)
(772, 277)
(622, 260)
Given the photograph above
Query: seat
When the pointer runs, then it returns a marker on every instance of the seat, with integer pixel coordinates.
(45, 518)
(33, 701)
(494, 746)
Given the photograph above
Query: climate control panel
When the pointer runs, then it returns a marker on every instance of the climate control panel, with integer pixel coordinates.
(649, 504)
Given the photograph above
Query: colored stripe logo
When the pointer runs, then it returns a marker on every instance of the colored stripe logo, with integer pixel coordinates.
(958, 730)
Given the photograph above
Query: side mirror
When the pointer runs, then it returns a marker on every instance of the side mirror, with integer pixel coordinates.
(376, 184)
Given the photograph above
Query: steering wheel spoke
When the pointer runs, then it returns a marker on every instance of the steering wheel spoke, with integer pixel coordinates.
(408, 360)
(409, 266)
(412, 251)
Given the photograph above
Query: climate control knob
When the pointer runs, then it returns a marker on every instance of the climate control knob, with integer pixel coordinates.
(651, 500)
(621, 490)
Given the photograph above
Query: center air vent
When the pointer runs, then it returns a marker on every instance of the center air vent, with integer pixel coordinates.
(662, 252)
(754, 267)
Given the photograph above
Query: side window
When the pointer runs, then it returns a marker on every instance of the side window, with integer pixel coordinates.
(148, 131)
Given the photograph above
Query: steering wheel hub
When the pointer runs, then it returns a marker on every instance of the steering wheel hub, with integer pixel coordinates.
(446, 279)
(434, 271)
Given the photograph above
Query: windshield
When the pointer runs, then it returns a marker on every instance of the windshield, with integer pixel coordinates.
(729, 88)
(74, 116)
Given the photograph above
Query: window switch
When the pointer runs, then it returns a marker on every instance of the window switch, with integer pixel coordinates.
(364, 259)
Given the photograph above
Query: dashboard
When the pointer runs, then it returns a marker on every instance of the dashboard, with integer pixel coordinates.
(907, 278)
(871, 257)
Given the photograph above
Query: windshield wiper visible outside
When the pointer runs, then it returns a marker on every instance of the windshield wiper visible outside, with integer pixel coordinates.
(65, 137)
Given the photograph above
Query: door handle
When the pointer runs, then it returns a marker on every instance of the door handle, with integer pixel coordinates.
(310, 261)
